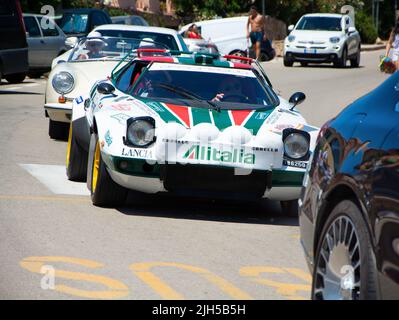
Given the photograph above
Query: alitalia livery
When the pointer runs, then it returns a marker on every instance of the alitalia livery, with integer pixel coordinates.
(189, 125)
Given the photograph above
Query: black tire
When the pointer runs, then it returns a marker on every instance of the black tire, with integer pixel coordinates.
(304, 64)
(35, 75)
(349, 211)
(76, 159)
(58, 130)
(288, 63)
(289, 208)
(341, 62)
(355, 62)
(15, 78)
(104, 192)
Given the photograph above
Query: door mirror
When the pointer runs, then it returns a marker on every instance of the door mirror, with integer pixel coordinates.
(291, 27)
(71, 41)
(296, 99)
(105, 88)
(351, 30)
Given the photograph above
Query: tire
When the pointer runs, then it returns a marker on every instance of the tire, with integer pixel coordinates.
(289, 208)
(345, 227)
(288, 63)
(355, 62)
(15, 78)
(341, 62)
(104, 191)
(304, 64)
(76, 159)
(58, 130)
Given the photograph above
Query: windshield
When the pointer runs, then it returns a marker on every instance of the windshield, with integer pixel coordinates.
(166, 39)
(320, 24)
(221, 86)
(74, 23)
(108, 48)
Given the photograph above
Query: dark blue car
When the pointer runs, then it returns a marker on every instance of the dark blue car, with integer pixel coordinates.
(349, 207)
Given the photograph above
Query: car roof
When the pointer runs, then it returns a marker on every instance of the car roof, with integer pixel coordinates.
(124, 27)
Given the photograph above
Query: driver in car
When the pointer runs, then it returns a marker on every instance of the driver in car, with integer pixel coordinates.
(94, 45)
(230, 90)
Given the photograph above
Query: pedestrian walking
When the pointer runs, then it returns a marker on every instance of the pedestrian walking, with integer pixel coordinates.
(257, 33)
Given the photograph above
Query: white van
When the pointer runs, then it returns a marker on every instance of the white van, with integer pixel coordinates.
(229, 34)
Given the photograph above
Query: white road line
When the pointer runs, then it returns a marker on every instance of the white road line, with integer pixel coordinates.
(55, 179)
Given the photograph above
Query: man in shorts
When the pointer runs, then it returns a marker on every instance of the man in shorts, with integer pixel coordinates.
(257, 33)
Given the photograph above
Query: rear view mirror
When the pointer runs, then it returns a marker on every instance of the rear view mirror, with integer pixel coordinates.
(351, 30)
(296, 99)
(291, 27)
(105, 88)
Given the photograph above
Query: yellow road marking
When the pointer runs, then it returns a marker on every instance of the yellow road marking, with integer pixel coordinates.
(287, 290)
(116, 290)
(142, 270)
(44, 198)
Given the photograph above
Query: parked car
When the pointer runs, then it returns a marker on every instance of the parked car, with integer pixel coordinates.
(130, 20)
(80, 22)
(349, 207)
(320, 38)
(74, 77)
(13, 45)
(44, 43)
(229, 36)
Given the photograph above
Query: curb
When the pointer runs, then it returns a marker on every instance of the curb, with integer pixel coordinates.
(374, 47)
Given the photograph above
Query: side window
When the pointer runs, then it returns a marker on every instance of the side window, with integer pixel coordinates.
(124, 79)
(31, 27)
(50, 30)
(137, 21)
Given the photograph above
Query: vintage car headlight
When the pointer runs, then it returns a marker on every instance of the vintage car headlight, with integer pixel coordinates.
(335, 39)
(140, 131)
(63, 82)
(296, 145)
(291, 38)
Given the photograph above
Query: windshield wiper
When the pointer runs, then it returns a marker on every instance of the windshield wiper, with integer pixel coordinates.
(188, 94)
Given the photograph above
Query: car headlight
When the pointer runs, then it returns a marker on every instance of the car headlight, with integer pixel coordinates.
(63, 82)
(140, 131)
(296, 144)
(291, 38)
(335, 39)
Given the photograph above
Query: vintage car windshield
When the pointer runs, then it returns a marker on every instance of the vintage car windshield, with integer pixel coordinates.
(320, 24)
(220, 86)
(108, 48)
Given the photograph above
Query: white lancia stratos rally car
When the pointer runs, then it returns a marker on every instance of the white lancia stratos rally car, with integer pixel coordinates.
(196, 125)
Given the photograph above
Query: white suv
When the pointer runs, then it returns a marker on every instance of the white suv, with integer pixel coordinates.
(322, 38)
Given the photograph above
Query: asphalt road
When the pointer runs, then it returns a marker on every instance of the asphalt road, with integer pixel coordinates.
(162, 249)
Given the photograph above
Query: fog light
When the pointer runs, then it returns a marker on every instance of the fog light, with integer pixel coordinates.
(123, 165)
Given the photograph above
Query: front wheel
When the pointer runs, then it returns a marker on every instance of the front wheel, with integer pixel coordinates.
(355, 62)
(104, 191)
(288, 63)
(341, 62)
(289, 208)
(345, 265)
(15, 78)
(58, 130)
(76, 159)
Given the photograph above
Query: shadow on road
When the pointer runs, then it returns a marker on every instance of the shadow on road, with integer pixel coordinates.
(263, 212)
(19, 92)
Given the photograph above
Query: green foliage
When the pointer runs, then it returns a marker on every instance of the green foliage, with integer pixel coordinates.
(366, 28)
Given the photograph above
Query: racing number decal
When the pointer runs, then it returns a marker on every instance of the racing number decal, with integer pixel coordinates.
(116, 289)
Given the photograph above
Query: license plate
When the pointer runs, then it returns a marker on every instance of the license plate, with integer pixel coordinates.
(314, 51)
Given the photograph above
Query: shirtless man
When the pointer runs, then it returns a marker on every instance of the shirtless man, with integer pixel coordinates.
(257, 34)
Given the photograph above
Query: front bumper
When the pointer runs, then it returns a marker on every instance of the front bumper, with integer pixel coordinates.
(61, 112)
(204, 181)
(323, 53)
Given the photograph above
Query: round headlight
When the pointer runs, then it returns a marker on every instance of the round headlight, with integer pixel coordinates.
(63, 82)
(296, 146)
(291, 38)
(335, 39)
(141, 133)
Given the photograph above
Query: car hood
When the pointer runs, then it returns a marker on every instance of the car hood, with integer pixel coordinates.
(315, 36)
